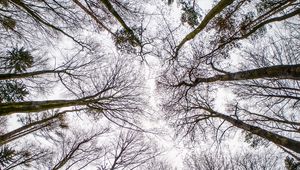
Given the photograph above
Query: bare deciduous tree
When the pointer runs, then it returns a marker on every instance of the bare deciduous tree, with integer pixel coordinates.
(264, 84)
(223, 161)
(128, 150)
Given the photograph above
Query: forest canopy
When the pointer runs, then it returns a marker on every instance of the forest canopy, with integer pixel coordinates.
(123, 84)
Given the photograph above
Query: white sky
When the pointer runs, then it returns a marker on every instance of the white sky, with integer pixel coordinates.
(176, 150)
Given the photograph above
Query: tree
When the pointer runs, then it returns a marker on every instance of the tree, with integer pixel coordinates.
(229, 29)
(106, 93)
(158, 164)
(264, 84)
(199, 61)
(51, 19)
(31, 20)
(128, 150)
(11, 158)
(222, 161)
(95, 85)
(52, 121)
(84, 148)
(76, 150)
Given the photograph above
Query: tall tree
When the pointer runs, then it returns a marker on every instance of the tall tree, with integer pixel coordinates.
(247, 48)
(264, 83)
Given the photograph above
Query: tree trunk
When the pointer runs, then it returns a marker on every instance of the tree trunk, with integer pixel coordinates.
(270, 136)
(109, 6)
(211, 14)
(27, 129)
(26, 75)
(37, 106)
(281, 72)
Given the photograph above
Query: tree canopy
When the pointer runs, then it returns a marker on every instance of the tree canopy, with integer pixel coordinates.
(81, 81)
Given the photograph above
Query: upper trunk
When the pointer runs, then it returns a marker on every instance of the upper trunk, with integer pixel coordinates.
(270, 136)
(111, 9)
(211, 14)
(25, 75)
(280, 72)
(37, 106)
(27, 129)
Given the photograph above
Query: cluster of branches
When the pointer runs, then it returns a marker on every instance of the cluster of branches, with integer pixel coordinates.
(93, 84)
(263, 85)
(211, 160)
(82, 148)
(112, 91)
(45, 20)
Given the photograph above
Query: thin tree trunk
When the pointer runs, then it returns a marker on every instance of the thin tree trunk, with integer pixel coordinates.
(110, 7)
(37, 17)
(208, 17)
(90, 13)
(27, 129)
(70, 154)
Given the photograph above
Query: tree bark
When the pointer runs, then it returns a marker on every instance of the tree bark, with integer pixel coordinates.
(90, 13)
(28, 74)
(270, 136)
(27, 129)
(37, 106)
(111, 9)
(208, 17)
(281, 72)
